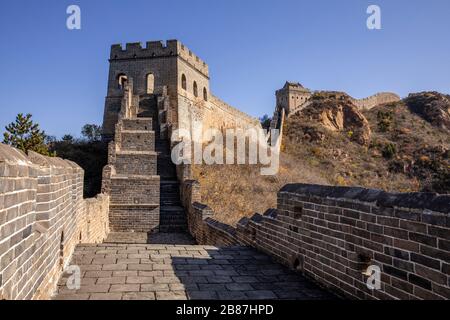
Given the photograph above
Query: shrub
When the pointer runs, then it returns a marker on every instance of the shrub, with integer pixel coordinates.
(91, 156)
(384, 120)
(389, 150)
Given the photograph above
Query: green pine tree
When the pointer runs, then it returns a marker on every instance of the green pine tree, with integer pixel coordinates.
(25, 135)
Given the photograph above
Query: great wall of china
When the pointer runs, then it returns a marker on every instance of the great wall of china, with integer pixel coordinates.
(320, 237)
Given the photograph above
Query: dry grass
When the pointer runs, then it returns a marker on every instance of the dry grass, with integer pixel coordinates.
(236, 191)
(312, 154)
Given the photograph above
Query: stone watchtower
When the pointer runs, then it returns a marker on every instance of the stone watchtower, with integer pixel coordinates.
(149, 90)
(289, 99)
(153, 90)
(165, 76)
(292, 97)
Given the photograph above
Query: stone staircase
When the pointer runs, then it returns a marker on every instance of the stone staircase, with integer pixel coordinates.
(133, 182)
(140, 177)
(172, 214)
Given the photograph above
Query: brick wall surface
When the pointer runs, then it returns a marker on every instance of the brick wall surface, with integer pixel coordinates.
(42, 217)
(333, 234)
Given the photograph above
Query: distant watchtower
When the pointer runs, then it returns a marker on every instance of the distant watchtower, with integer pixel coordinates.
(158, 69)
(291, 97)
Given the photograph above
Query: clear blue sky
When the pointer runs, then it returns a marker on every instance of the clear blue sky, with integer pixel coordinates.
(251, 47)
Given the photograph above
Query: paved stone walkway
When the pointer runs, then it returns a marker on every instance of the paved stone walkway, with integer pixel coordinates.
(152, 271)
(149, 238)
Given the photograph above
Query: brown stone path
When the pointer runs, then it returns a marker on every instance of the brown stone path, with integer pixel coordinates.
(184, 271)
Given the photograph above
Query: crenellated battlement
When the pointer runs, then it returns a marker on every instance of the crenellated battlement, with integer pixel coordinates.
(149, 50)
(192, 59)
(158, 49)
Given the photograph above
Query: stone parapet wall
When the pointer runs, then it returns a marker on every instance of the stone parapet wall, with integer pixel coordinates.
(230, 117)
(375, 100)
(333, 234)
(42, 217)
(97, 219)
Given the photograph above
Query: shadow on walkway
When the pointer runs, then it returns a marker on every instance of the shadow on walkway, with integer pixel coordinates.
(150, 238)
(241, 273)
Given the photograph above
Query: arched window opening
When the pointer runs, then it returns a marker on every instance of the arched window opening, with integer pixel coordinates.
(183, 81)
(205, 94)
(122, 80)
(150, 83)
(195, 89)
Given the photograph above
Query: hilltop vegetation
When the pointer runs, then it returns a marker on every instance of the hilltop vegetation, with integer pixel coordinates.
(398, 147)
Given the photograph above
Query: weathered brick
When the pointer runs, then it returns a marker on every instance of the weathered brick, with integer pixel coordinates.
(417, 237)
(431, 274)
(419, 281)
(125, 288)
(435, 253)
(426, 261)
(395, 272)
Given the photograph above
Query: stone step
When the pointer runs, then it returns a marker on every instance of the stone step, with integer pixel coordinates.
(175, 196)
(172, 214)
(170, 202)
(172, 209)
(173, 229)
(170, 197)
(170, 182)
(173, 223)
(169, 188)
(181, 219)
(165, 213)
(172, 218)
(163, 149)
(137, 124)
(136, 163)
(165, 172)
(137, 140)
(164, 216)
(165, 161)
(170, 194)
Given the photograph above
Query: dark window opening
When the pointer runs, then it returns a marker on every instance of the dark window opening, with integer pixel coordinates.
(195, 89)
(183, 81)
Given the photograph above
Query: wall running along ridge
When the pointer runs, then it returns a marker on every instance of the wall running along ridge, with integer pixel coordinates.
(332, 234)
(42, 217)
(375, 100)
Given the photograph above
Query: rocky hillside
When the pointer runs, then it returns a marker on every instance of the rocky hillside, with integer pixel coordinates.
(402, 146)
(336, 112)
(400, 150)
(432, 106)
